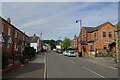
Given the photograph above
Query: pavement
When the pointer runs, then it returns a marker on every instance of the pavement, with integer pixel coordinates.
(60, 66)
(35, 69)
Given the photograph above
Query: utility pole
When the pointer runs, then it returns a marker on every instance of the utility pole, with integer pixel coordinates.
(80, 35)
(118, 43)
(41, 42)
(13, 47)
(79, 21)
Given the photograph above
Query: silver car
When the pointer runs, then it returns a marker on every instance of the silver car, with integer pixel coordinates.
(71, 53)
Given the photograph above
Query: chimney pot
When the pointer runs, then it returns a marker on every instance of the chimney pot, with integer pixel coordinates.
(8, 20)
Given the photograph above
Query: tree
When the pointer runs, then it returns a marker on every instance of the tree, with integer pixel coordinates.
(53, 43)
(66, 43)
(58, 42)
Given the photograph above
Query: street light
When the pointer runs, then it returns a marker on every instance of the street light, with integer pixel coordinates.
(80, 22)
(41, 41)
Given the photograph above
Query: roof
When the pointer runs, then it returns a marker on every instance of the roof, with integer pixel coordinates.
(33, 39)
(91, 29)
(13, 26)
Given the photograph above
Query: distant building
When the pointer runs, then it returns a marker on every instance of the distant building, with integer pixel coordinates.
(92, 39)
(35, 42)
(74, 43)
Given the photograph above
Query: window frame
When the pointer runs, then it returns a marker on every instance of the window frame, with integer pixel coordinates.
(3, 27)
(110, 34)
(104, 33)
(16, 33)
(9, 30)
(8, 45)
(95, 35)
(104, 47)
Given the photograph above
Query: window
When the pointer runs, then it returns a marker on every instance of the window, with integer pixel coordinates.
(3, 27)
(104, 34)
(23, 38)
(8, 46)
(9, 30)
(104, 47)
(85, 35)
(15, 33)
(110, 35)
(15, 46)
(91, 47)
(95, 35)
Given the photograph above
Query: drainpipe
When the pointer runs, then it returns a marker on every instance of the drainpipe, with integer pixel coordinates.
(13, 49)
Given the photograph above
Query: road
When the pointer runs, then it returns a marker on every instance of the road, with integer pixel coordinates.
(59, 66)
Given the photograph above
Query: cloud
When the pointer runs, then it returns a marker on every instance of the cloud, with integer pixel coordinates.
(60, 0)
(57, 19)
(0, 9)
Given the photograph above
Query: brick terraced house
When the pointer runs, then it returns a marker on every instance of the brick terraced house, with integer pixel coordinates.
(13, 41)
(92, 39)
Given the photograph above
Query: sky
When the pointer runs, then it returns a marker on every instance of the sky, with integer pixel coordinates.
(56, 20)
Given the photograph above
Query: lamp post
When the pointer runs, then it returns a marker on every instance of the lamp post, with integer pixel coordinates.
(80, 23)
(13, 47)
(118, 43)
(41, 41)
(77, 21)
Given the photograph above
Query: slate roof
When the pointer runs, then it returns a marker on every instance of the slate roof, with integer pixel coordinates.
(91, 29)
(33, 39)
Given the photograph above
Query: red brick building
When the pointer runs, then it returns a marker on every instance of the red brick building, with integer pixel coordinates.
(74, 43)
(13, 40)
(92, 39)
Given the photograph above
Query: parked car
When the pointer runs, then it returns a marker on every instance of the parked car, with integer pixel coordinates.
(54, 50)
(71, 53)
(65, 53)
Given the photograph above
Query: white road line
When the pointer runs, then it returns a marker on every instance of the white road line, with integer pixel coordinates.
(72, 61)
(93, 72)
(103, 65)
(45, 70)
(100, 64)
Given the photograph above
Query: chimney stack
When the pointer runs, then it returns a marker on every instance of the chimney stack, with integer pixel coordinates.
(8, 20)
(75, 36)
(34, 35)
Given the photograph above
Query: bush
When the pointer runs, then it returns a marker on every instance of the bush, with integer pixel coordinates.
(4, 60)
(30, 51)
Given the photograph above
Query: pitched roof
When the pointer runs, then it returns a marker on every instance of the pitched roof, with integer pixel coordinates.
(91, 29)
(33, 39)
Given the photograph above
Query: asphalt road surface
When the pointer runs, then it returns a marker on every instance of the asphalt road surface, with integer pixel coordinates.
(60, 66)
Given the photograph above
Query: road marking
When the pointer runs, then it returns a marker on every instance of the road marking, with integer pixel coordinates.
(72, 61)
(45, 70)
(93, 72)
(99, 64)
(102, 65)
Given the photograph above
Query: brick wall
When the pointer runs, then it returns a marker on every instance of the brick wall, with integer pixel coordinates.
(10, 47)
(97, 42)
(101, 41)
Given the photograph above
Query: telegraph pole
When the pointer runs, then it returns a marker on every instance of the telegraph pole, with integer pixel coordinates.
(118, 43)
